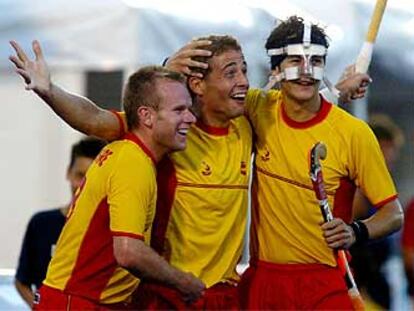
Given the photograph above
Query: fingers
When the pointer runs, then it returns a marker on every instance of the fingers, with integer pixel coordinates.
(195, 43)
(24, 75)
(337, 234)
(19, 51)
(187, 61)
(37, 50)
(196, 52)
(17, 62)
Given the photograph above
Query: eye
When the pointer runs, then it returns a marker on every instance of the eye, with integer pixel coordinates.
(230, 72)
(317, 61)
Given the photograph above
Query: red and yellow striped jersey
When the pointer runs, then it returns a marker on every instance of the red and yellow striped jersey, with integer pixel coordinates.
(117, 198)
(286, 215)
(202, 203)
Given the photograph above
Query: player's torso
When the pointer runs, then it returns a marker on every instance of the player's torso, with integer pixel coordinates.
(207, 220)
(84, 263)
(286, 224)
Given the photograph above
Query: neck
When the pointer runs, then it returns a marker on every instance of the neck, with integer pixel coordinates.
(301, 111)
(156, 150)
(214, 119)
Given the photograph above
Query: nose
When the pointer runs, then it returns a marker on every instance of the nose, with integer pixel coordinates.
(189, 117)
(243, 80)
(306, 65)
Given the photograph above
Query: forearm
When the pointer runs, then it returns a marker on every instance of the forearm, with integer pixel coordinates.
(143, 262)
(81, 114)
(388, 219)
(25, 292)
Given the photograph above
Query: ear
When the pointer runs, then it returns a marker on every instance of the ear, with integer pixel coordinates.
(276, 71)
(196, 85)
(146, 116)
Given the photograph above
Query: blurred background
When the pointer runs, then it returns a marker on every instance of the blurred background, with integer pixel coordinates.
(92, 46)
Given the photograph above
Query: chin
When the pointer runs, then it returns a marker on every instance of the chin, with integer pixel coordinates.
(178, 147)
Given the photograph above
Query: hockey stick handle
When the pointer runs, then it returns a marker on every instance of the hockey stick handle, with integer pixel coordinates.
(365, 54)
(317, 153)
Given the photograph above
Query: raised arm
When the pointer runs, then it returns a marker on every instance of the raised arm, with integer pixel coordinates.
(352, 85)
(77, 111)
(143, 262)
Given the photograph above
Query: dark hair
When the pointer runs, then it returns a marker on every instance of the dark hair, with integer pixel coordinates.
(219, 45)
(290, 31)
(88, 147)
(385, 128)
(141, 90)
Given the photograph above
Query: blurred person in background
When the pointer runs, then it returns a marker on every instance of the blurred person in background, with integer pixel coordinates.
(44, 227)
(369, 261)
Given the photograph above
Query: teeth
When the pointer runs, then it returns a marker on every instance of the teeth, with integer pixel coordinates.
(183, 131)
(239, 96)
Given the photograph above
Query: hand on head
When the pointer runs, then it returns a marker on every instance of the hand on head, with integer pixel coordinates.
(182, 61)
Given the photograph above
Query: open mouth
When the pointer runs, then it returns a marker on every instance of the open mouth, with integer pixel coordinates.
(239, 96)
(183, 132)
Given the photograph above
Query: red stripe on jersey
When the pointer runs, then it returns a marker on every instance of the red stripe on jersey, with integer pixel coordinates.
(95, 263)
(128, 234)
(255, 211)
(217, 131)
(120, 121)
(318, 118)
(132, 137)
(211, 186)
(289, 181)
(383, 202)
(166, 183)
(343, 200)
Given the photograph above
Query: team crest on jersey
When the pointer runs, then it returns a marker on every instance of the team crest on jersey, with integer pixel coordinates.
(243, 168)
(265, 156)
(206, 171)
(103, 156)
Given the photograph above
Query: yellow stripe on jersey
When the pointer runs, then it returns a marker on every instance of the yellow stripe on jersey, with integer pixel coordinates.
(286, 214)
(117, 198)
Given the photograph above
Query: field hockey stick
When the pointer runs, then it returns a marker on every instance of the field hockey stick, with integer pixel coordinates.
(318, 153)
(365, 55)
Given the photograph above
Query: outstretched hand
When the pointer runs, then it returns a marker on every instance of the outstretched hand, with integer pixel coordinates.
(182, 61)
(337, 234)
(352, 85)
(34, 72)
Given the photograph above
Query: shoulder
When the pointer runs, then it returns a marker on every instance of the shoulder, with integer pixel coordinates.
(46, 216)
(256, 96)
(130, 159)
(347, 121)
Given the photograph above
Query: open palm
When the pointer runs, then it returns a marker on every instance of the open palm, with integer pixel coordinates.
(34, 72)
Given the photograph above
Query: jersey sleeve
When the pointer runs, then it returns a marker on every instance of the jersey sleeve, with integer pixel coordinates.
(123, 125)
(368, 167)
(132, 190)
(256, 102)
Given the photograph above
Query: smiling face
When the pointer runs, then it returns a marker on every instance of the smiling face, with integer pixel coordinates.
(173, 118)
(223, 90)
(305, 88)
